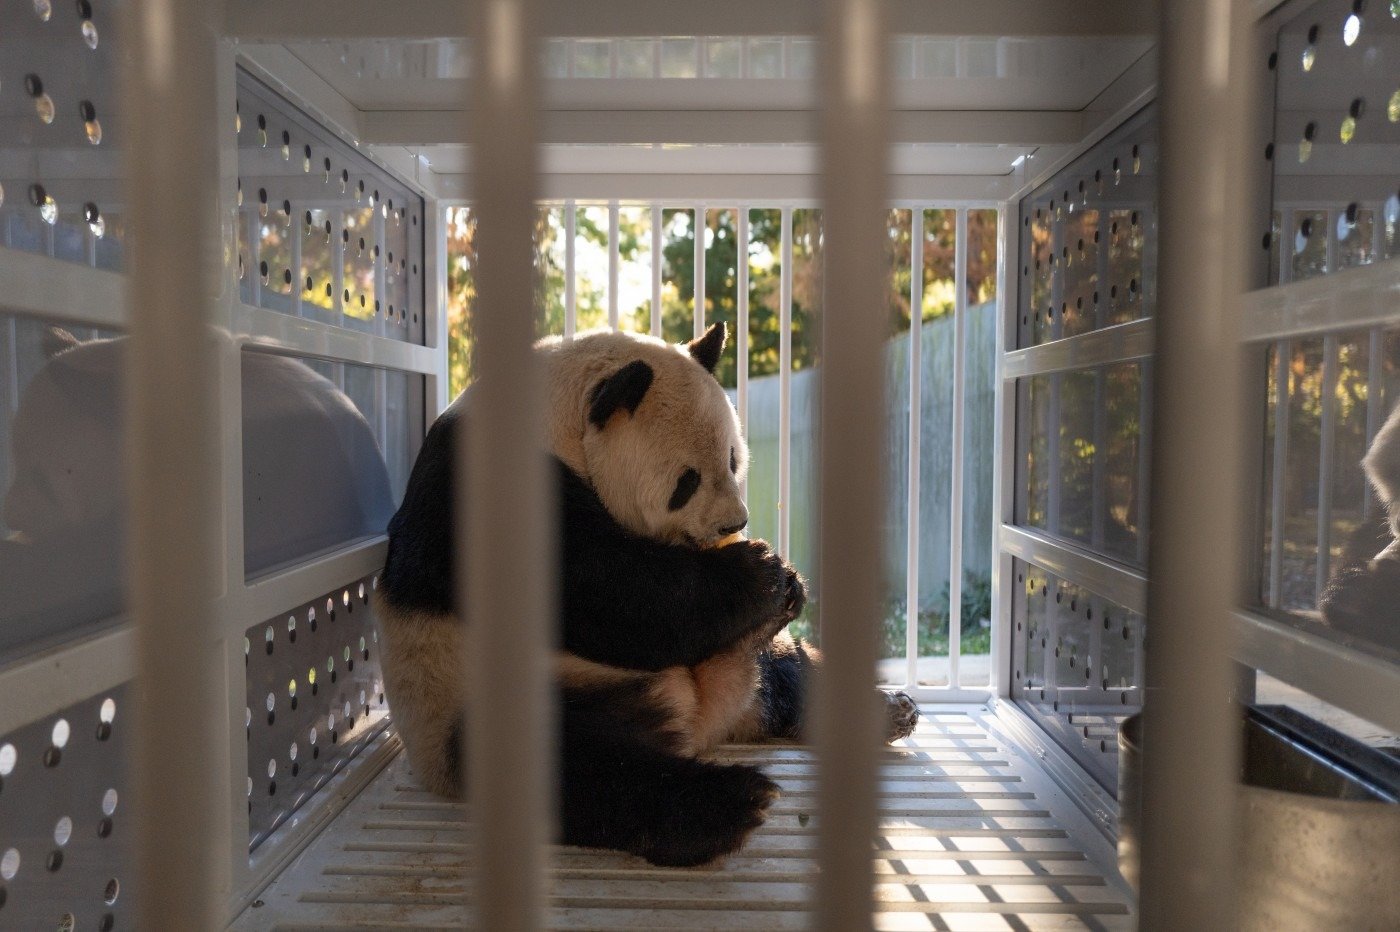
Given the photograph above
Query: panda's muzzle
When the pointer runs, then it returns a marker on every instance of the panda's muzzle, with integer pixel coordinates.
(734, 528)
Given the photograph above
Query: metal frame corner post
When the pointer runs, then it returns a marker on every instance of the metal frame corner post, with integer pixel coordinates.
(1191, 741)
(173, 461)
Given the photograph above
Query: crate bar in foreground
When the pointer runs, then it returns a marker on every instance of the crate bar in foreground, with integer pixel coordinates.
(1191, 730)
(503, 481)
(854, 133)
(173, 477)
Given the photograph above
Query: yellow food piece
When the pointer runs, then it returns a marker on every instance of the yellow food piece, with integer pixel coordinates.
(726, 541)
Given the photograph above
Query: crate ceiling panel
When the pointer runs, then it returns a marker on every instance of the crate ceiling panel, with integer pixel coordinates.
(734, 97)
(739, 73)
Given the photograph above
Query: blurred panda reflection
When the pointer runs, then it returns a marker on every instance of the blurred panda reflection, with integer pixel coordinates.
(314, 477)
(1362, 598)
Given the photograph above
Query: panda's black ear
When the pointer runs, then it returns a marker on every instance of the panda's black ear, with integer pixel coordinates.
(623, 390)
(707, 349)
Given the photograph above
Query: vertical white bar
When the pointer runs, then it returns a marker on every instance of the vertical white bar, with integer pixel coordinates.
(1191, 740)
(955, 501)
(436, 325)
(614, 256)
(785, 381)
(742, 302)
(1326, 465)
(699, 228)
(296, 233)
(378, 248)
(1326, 468)
(1056, 322)
(503, 487)
(1003, 450)
(181, 780)
(1282, 402)
(338, 264)
(1098, 485)
(254, 275)
(846, 725)
(570, 281)
(916, 407)
(1375, 403)
(657, 261)
(1282, 350)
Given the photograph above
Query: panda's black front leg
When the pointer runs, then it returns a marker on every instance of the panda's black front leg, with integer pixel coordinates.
(632, 602)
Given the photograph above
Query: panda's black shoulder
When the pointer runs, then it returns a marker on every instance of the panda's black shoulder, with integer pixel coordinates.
(418, 567)
(583, 517)
(418, 570)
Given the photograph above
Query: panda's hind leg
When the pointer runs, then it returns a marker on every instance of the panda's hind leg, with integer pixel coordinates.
(674, 811)
(786, 670)
(425, 683)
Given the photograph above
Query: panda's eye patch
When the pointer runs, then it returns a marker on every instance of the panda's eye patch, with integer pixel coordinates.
(685, 489)
(733, 462)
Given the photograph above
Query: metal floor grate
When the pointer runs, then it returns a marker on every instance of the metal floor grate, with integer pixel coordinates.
(973, 836)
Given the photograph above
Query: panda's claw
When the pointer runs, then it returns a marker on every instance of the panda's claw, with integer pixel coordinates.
(796, 595)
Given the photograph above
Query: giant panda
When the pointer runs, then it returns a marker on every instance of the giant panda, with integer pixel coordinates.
(670, 644)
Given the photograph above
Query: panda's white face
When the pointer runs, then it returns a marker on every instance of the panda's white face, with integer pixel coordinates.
(661, 441)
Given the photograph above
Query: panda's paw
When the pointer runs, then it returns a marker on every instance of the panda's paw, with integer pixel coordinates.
(716, 817)
(1359, 600)
(763, 577)
(796, 595)
(902, 715)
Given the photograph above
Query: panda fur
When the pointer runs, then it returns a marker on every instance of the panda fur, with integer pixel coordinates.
(1361, 597)
(670, 643)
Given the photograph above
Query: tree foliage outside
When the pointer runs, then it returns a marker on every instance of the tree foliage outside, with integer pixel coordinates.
(763, 253)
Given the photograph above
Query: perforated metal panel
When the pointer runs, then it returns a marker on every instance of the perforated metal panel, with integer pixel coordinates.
(315, 698)
(65, 843)
(60, 180)
(323, 232)
(1088, 281)
(1334, 158)
(1335, 147)
(1077, 665)
(1088, 239)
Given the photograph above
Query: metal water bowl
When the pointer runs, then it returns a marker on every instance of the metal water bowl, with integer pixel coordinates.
(1319, 844)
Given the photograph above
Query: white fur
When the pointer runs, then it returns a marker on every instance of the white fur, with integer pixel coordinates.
(1382, 464)
(685, 421)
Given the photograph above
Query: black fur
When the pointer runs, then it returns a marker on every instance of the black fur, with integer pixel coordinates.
(626, 601)
(418, 570)
(686, 487)
(707, 349)
(631, 602)
(783, 675)
(671, 810)
(621, 391)
(1361, 596)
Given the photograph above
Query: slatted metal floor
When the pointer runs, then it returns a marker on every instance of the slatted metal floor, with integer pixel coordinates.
(973, 836)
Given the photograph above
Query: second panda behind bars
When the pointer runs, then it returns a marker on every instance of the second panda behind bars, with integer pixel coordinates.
(670, 643)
